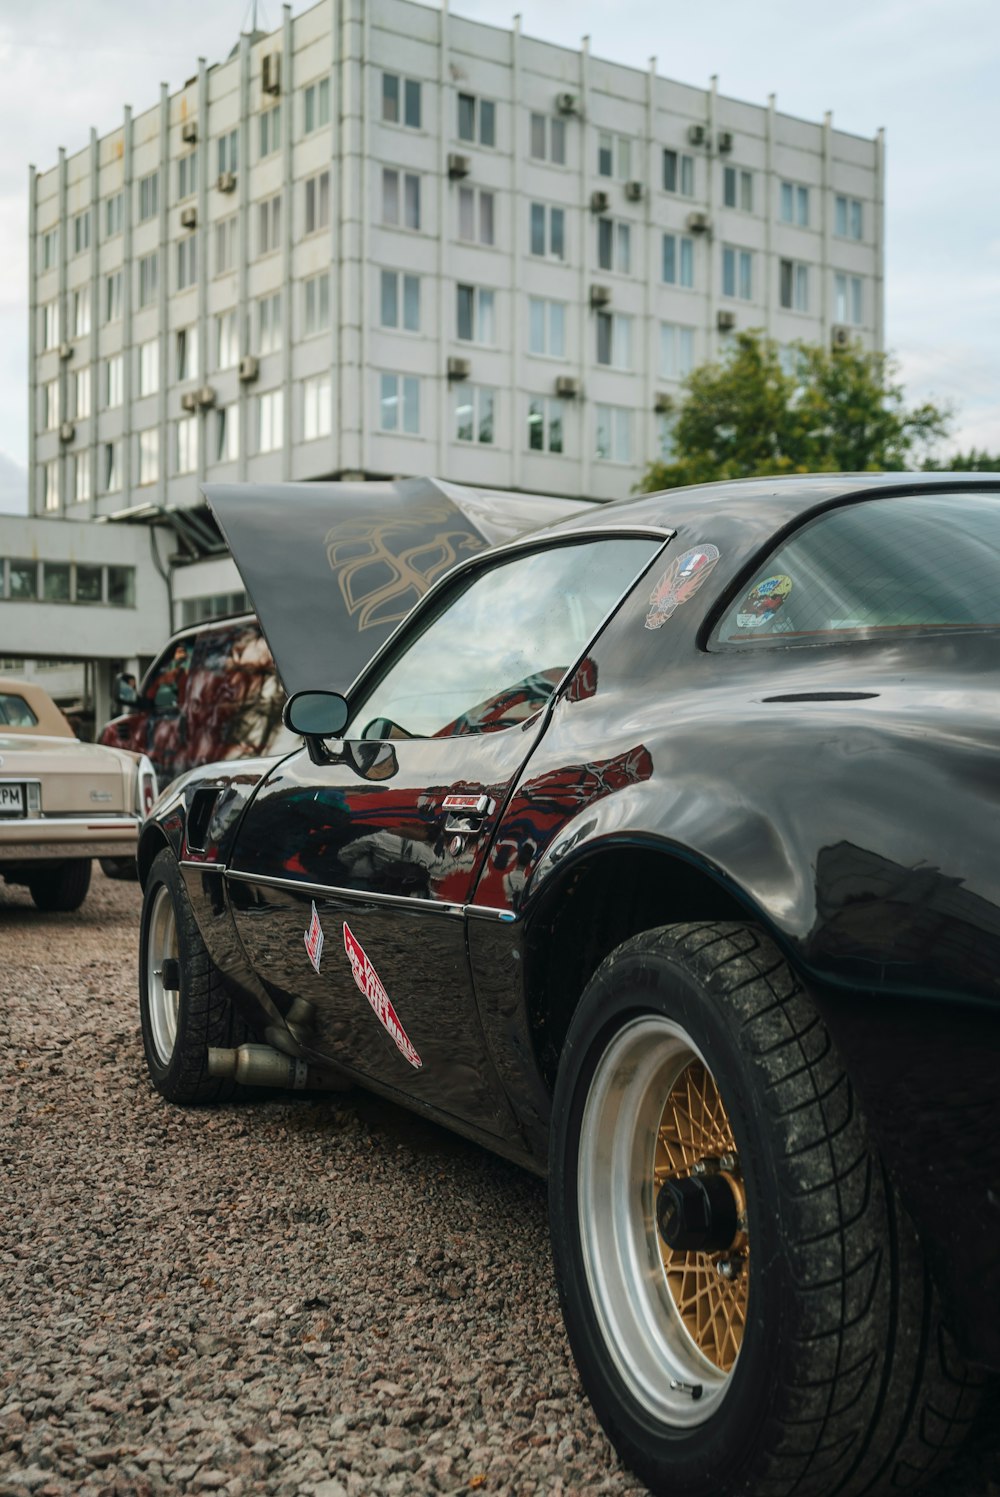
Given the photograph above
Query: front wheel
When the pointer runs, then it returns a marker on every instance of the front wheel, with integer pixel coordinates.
(737, 1283)
(63, 887)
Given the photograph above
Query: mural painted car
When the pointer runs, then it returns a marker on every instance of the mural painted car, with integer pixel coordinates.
(62, 802)
(653, 851)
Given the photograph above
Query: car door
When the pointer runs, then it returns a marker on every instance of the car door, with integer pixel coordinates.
(350, 879)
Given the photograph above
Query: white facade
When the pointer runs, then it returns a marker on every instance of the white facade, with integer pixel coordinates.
(307, 268)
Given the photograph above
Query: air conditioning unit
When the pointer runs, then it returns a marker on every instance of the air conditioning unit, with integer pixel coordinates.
(840, 336)
(205, 396)
(599, 202)
(459, 368)
(65, 350)
(67, 431)
(697, 135)
(458, 165)
(699, 223)
(249, 368)
(662, 403)
(226, 182)
(270, 77)
(189, 131)
(725, 321)
(189, 401)
(724, 140)
(189, 217)
(634, 191)
(568, 386)
(600, 296)
(566, 103)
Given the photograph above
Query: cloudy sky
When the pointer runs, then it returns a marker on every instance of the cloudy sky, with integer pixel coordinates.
(925, 69)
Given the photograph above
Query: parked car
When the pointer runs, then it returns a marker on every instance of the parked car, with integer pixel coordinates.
(654, 852)
(62, 802)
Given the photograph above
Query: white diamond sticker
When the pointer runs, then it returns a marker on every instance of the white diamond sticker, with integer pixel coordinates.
(314, 938)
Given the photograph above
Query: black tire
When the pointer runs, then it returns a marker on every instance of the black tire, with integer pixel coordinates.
(119, 868)
(846, 1381)
(206, 1014)
(61, 888)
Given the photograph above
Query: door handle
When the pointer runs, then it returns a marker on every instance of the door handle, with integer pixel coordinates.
(468, 813)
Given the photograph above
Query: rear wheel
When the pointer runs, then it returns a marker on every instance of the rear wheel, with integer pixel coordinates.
(748, 1308)
(61, 888)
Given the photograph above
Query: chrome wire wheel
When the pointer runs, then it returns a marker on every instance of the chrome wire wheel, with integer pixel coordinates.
(655, 1131)
(163, 995)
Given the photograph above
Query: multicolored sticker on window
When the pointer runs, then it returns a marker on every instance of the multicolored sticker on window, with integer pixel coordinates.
(763, 602)
(681, 580)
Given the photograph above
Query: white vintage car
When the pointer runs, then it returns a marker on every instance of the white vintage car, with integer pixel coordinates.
(62, 802)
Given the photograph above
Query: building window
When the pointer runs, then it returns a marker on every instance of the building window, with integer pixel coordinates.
(227, 434)
(477, 120)
(548, 139)
(149, 367)
(474, 413)
(81, 232)
(614, 340)
(227, 340)
(676, 350)
(113, 296)
(149, 456)
(794, 204)
(56, 581)
(114, 215)
(614, 245)
(614, 155)
(270, 130)
(315, 106)
(50, 325)
(666, 425)
(546, 423)
(737, 189)
(227, 155)
(149, 196)
(50, 249)
(737, 272)
(270, 420)
(50, 405)
(476, 216)
(50, 485)
(121, 587)
(315, 304)
(81, 492)
(186, 347)
(149, 276)
(187, 175)
(111, 467)
(81, 312)
(22, 577)
(269, 224)
(793, 280)
(847, 299)
(613, 433)
(317, 407)
(114, 380)
(400, 101)
(400, 198)
(82, 395)
(476, 322)
(678, 260)
(847, 218)
(399, 403)
(269, 323)
(187, 262)
(548, 231)
(547, 327)
(399, 300)
(317, 202)
(678, 173)
(89, 581)
(225, 244)
(187, 445)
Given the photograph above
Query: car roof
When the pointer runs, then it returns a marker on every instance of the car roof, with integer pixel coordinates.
(51, 721)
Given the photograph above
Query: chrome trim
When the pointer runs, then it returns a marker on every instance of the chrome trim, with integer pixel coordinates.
(205, 867)
(91, 821)
(361, 896)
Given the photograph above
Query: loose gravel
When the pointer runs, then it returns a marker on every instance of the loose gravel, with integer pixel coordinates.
(320, 1297)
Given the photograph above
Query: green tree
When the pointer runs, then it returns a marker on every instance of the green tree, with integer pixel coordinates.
(840, 411)
(965, 462)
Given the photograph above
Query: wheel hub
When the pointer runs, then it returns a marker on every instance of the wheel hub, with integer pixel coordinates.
(698, 1213)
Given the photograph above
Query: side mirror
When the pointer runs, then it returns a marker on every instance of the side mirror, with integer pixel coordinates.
(316, 714)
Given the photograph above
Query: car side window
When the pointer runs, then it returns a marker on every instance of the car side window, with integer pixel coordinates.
(15, 712)
(495, 651)
(911, 562)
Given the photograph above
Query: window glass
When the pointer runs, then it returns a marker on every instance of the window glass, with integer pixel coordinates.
(493, 655)
(22, 579)
(88, 583)
(928, 561)
(15, 712)
(121, 586)
(55, 577)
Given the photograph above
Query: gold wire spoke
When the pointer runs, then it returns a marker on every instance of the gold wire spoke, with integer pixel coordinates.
(695, 1126)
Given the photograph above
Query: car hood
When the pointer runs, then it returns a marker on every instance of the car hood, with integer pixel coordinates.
(332, 568)
(76, 777)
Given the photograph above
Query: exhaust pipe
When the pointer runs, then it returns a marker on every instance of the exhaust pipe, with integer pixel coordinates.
(262, 1065)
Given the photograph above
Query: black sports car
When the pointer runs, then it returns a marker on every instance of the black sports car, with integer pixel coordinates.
(656, 850)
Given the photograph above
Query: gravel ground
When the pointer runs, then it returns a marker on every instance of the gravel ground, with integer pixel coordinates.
(317, 1297)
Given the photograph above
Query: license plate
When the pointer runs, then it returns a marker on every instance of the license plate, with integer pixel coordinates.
(11, 800)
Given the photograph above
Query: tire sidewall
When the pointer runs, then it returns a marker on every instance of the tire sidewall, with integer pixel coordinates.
(165, 874)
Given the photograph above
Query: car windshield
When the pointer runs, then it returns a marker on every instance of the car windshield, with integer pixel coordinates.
(922, 561)
(15, 712)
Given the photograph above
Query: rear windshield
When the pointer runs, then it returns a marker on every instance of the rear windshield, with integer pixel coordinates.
(929, 561)
(15, 712)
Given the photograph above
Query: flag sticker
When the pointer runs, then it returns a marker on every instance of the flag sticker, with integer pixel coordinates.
(367, 980)
(314, 938)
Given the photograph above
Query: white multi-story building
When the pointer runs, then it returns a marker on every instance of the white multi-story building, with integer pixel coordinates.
(384, 240)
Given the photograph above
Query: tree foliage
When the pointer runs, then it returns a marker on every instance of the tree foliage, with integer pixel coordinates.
(965, 462)
(828, 412)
